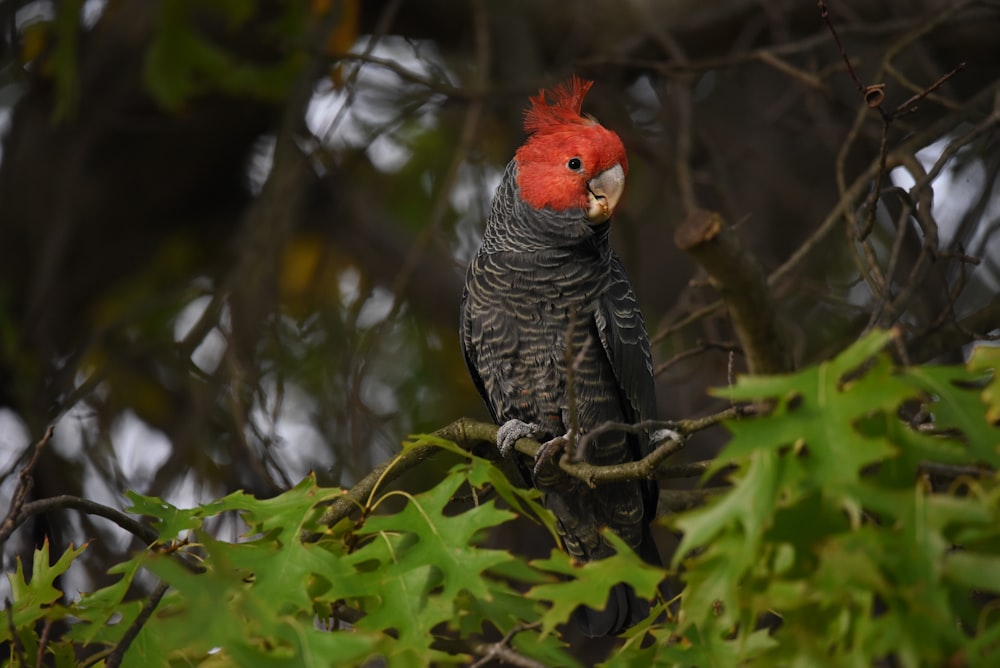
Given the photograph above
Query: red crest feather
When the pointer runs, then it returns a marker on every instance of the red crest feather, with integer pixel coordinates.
(567, 102)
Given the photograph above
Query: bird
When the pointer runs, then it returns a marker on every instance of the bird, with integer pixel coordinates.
(554, 339)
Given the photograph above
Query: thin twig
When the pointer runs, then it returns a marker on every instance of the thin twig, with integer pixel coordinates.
(902, 226)
(874, 97)
(441, 203)
(132, 632)
(906, 107)
(932, 343)
(501, 650)
(24, 484)
(710, 241)
(381, 28)
(572, 366)
(679, 500)
(700, 347)
(691, 469)
(683, 122)
(147, 534)
(43, 643)
(883, 154)
(848, 194)
(14, 638)
(909, 105)
(687, 320)
(824, 13)
(922, 193)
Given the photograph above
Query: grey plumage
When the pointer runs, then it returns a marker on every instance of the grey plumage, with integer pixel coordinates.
(543, 280)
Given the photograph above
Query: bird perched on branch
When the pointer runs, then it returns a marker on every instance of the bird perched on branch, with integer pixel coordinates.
(553, 336)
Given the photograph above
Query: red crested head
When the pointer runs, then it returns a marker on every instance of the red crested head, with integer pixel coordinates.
(570, 160)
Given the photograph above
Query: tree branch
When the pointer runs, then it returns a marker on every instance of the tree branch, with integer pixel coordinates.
(469, 434)
(679, 500)
(715, 246)
(501, 651)
(936, 342)
(691, 469)
(700, 347)
(24, 484)
(116, 656)
(147, 534)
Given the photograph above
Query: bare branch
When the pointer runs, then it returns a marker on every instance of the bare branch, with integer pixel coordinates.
(824, 13)
(132, 632)
(147, 534)
(463, 431)
(936, 341)
(470, 434)
(24, 484)
(501, 650)
(691, 469)
(43, 641)
(910, 105)
(688, 320)
(679, 500)
(716, 247)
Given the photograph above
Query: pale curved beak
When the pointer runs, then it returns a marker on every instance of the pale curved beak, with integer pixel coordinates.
(605, 190)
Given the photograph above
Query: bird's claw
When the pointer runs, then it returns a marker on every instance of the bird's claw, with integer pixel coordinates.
(547, 452)
(663, 435)
(511, 431)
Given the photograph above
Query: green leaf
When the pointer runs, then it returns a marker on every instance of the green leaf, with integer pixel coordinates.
(976, 571)
(827, 525)
(744, 509)
(446, 541)
(220, 608)
(696, 649)
(290, 512)
(763, 387)
(589, 583)
(546, 649)
(95, 610)
(831, 524)
(987, 359)
(280, 563)
(482, 472)
(419, 564)
(182, 63)
(956, 392)
(31, 599)
(169, 521)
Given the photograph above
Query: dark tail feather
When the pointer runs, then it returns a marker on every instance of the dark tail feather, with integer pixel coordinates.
(623, 609)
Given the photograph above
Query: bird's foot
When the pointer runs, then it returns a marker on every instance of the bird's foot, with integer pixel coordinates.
(663, 435)
(547, 453)
(511, 431)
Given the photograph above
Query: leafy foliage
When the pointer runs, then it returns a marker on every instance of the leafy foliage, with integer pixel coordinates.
(183, 63)
(833, 528)
(31, 598)
(844, 538)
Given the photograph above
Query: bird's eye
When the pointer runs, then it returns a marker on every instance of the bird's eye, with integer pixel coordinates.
(575, 164)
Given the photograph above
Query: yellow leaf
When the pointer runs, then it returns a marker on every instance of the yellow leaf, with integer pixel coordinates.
(345, 30)
(34, 38)
(344, 33)
(301, 269)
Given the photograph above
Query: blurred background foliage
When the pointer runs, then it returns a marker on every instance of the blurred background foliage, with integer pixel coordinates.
(233, 234)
